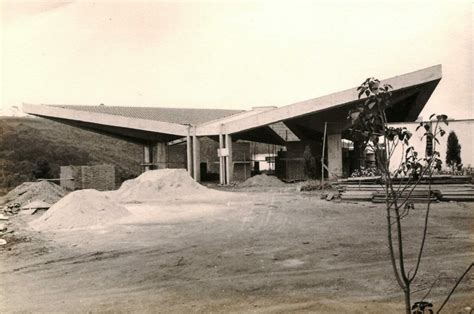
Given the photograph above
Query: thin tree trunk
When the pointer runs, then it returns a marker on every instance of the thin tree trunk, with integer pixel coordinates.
(391, 250)
(407, 299)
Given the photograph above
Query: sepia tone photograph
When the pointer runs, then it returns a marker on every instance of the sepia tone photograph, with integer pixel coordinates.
(236, 156)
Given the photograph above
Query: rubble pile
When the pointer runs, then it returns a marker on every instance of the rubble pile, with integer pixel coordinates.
(28, 192)
(3, 229)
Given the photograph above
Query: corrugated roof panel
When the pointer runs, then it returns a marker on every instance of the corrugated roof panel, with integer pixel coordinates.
(171, 115)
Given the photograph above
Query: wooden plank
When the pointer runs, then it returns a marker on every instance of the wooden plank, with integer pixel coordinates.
(414, 200)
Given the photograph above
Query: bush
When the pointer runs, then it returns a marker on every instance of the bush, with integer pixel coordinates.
(41, 169)
(365, 172)
(453, 152)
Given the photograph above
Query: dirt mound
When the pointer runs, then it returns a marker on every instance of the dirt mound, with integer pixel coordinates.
(263, 180)
(159, 184)
(34, 191)
(80, 209)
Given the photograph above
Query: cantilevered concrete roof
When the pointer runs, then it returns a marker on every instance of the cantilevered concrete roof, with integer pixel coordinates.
(410, 94)
(304, 119)
(136, 124)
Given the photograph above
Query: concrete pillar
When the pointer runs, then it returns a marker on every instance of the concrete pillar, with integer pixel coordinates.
(334, 145)
(161, 155)
(196, 158)
(189, 153)
(146, 156)
(229, 162)
(221, 161)
(358, 155)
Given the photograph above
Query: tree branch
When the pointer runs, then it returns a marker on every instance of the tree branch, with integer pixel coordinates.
(428, 206)
(454, 288)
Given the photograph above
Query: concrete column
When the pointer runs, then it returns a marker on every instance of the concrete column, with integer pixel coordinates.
(161, 157)
(146, 156)
(334, 145)
(196, 158)
(229, 162)
(221, 161)
(189, 152)
(358, 155)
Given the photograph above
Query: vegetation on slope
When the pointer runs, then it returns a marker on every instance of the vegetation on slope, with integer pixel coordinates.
(34, 147)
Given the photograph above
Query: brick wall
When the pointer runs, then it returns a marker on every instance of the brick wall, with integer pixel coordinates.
(290, 165)
(177, 156)
(99, 177)
(67, 176)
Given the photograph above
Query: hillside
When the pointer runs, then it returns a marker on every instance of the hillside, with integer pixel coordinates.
(27, 144)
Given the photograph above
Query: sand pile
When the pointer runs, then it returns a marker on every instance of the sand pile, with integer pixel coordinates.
(34, 191)
(159, 184)
(263, 180)
(80, 209)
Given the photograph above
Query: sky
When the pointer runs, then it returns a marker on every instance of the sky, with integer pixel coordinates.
(228, 54)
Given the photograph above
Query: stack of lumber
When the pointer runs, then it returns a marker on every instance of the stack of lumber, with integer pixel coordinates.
(376, 193)
(357, 195)
(443, 187)
(416, 196)
(349, 194)
(435, 179)
(360, 180)
(457, 192)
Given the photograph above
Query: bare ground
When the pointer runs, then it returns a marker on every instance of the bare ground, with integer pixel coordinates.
(250, 251)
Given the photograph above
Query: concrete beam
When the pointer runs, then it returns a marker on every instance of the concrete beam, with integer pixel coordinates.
(196, 159)
(263, 134)
(189, 152)
(221, 161)
(161, 155)
(229, 166)
(421, 100)
(146, 156)
(214, 127)
(303, 132)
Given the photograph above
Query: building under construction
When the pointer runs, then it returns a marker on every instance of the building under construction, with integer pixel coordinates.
(172, 137)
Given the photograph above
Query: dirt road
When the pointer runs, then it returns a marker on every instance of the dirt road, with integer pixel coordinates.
(247, 252)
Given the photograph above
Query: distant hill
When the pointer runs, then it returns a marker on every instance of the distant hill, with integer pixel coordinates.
(32, 145)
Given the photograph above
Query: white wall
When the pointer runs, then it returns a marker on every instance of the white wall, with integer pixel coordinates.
(263, 164)
(464, 130)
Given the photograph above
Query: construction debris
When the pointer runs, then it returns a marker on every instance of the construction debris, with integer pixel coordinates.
(31, 191)
(330, 196)
(3, 242)
(37, 205)
(3, 217)
(313, 185)
(80, 209)
(12, 209)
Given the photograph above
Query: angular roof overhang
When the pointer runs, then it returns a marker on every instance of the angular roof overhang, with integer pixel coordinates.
(304, 119)
(106, 122)
(410, 94)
